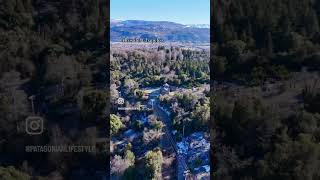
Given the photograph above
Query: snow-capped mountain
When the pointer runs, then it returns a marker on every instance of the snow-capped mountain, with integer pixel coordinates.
(165, 30)
(199, 25)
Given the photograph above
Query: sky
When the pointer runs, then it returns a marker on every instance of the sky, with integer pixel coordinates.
(179, 11)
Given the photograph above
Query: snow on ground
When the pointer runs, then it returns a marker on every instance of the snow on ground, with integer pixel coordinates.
(196, 149)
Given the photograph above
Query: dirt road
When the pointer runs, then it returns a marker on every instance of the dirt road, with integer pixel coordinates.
(169, 143)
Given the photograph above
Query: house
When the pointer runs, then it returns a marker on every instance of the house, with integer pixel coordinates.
(165, 88)
(195, 148)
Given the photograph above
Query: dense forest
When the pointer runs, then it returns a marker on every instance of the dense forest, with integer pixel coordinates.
(53, 65)
(258, 47)
(154, 67)
(257, 41)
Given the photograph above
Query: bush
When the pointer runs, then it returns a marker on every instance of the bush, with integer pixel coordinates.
(94, 104)
(153, 163)
(130, 156)
(115, 124)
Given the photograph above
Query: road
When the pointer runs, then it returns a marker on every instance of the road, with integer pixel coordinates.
(181, 162)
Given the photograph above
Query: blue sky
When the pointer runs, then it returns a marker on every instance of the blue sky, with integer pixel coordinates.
(180, 11)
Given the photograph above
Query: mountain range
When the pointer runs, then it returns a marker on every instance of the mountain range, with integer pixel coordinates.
(165, 30)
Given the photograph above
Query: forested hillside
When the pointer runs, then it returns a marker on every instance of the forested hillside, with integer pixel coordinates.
(258, 40)
(164, 30)
(52, 53)
(266, 55)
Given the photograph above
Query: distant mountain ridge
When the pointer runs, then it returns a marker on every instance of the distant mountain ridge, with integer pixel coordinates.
(165, 30)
